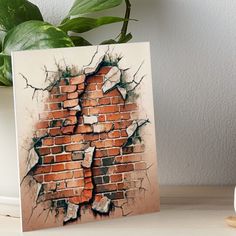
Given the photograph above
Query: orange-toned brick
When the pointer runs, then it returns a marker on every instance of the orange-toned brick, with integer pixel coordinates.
(68, 129)
(55, 132)
(116, 178)
(124, 168)
(82, 129)
(95, 79)
(114, 134)
(55, 106)
(58, 167)
(106, 188)
(57, 98)
(62, 140)
(104, 101)
(128, 107)
(101, 118)
(77, 80)
(78, 173)
(44, 151)
(113, 151)
(119, 142)
(76, 147)
(113, 117)
(42, 125)
(71, 103)
(108, 109)
(68, 89)
(58, 176)
(104, 70)
(48, 141)
(77, 138)
(75, 183)
(63, 158)
(73, 165)
(48, 159)
(72, 95)
(42, 169)
(60, 114)
(57, 149)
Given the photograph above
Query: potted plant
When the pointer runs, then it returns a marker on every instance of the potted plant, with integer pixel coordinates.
(22, 27)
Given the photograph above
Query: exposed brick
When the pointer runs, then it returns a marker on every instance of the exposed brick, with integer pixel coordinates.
(95, 79)
(60, 114)
(42, 125)
(48, 141)
(57, 176)
(115, 195)
(68, 89)
(42, 169)
(56, 123)
(113, 151)
(106, 188)
(75, 183)
(116, 178)
(71, 120)
(68, 129)
(83, 129)
(104, 70)
(48, 159)
(113, 117)
(62, 140)
(124, 168)
(76, 147)
(57, 98)
(114, 134)
(72, 95)
(57, 149)
(108, 161)
(58, 167)
(78, 173)
(73, 165)
(54, 132)
(77, 80)
(108, 109)
(55, 106)
(128, 107)
(104, 101)
(71, 103)
(44, 151)
(119, 142)
(140, 166)
(63, 158)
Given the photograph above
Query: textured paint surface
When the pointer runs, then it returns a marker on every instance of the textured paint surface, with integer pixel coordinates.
(193, 48)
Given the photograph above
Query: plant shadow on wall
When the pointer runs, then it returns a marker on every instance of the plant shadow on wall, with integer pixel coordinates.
(78, 158)
(22, 28)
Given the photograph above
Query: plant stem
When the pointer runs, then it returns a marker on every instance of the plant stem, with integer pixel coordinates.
(126, 23)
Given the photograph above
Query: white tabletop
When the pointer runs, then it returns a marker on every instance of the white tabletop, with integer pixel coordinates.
(184, 211)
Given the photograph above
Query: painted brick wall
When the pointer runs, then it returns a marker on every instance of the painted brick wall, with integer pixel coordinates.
(78, 116)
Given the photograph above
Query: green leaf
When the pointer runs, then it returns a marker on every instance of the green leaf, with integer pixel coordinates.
(15, 12)
(80, 41)
(109, 41)
(35, 35)
(5, 70)
(84, 24)
(126, 39)
(81, 7)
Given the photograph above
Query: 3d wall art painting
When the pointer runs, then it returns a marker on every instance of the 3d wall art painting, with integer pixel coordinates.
(85, 134)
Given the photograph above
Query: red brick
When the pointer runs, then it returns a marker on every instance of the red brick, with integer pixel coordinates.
(71, 103)
(113, 151)
(55, 132)
(63, 157)
(45, 116)
(71, 120)
(88, 185)
(55, 106)
(68, 89)
(81, 88)
(76, 147)
(94, 111)
(57, 98)
(77, 138)
(56, 123)
(58, 176)
(94, 95)
(38, 178)
(68, 129)
(128, 107)
(95, 79)
(124, 133)
(48, 141)
(57, 149)
(44, 151)
(104, 101)
(77, 80)
(76, 200)
(108, 109)
(91, 87)
(119, 142)
(87, 173)
(58, 167)
(106, 188)
(91, 137)
(97, 162)
(113, 117)
(73, 165)
(75, 183)
(101, 118)
(104, 70)
(62, 140)
(101, 153)
(88, 193)
(78, 174)
(114, 134)
(102, 144)
(61, 185)
(125, 116)
(42, 125)
(89, 103)
(117, 100)
(42, 169)
(72, 95)
(60, 114)
(103, 136)
(48, 159)
(116, 178)
(82, 129)
(124, 168)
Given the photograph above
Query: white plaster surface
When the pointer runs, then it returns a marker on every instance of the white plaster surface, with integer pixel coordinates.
(194, 71)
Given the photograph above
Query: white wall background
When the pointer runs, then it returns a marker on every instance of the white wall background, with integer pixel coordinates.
(194, 73)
